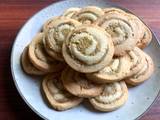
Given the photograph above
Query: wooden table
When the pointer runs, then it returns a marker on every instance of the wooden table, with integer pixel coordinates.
(14, 13)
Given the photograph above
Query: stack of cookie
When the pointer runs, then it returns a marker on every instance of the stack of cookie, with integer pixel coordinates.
(90, 53)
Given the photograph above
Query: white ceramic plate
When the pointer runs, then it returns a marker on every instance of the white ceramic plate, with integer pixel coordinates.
(140, 97)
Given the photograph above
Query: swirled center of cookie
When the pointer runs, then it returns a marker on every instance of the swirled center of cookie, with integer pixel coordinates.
(57, 35)
(87, 17)
(112, 68)
(56, 88)
(118, 29)
(87, 48)
(111, 93)
(83, 82)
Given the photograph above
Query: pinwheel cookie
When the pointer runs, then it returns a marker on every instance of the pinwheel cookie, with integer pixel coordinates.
(88, 49)
(56, 95)
(113, 96)
(144, 34)
(88, 15)
(137, 61)
(143, 74)
(146, 39)
(39, 58)
(70, 12)
(60, 27)
(78, 85)
(28, 67)
(115, 71)
(122, 30)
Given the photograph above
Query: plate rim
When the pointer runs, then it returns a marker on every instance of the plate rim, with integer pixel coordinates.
(39, 11)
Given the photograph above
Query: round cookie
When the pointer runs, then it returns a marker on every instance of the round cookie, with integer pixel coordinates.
(40, 58)
(88, 15)
(113, 97)
(143, 74)
(122, 30)
(54, 37)
(115, 71)
(56, 95)
(70, 12)
(28, 66)
(88, 48)
(137, 60)
(146, 39)
(48, 24)
(78, 85)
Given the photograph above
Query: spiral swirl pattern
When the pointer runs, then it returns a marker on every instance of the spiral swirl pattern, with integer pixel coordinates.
(87, 47)
(57, 96)
(54, 37)
(115, 71)
(122, 30)
(113, 96)
(88, 15)
(77, 84)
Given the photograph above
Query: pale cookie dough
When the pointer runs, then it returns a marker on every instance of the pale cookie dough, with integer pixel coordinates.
(115, 71)
(56, 95)
(57, 34)
(28, 67)
(143, 74)
(88, 49)
(88, 15)
(137, 60)
(146, 39)
(123, 31)
(40, 58)
(78, 85)
(113, 97)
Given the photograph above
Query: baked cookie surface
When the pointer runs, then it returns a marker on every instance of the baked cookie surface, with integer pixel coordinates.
(88, 49)
(56, 95)
(123, 31)
(115, 71)
(143, 74)
(113, 96)
(39, 58)
(88, 15)
(28, 67)
(59, 29)
(78, 85)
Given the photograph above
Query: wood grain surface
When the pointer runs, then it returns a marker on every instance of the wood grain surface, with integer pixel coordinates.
(14, 13)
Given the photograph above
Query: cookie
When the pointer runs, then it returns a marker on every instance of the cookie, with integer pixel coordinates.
(77, 84)
(70, 12)
(117, 70)
(48, 24)
(122, 30)
(88, 48)
(146, 39)
(137, 60)
(143, 74)
(88, 15)
(56, 95)
(28, 67)
(39, 58)
(111, 9)
(54, 37)
(113, 97)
